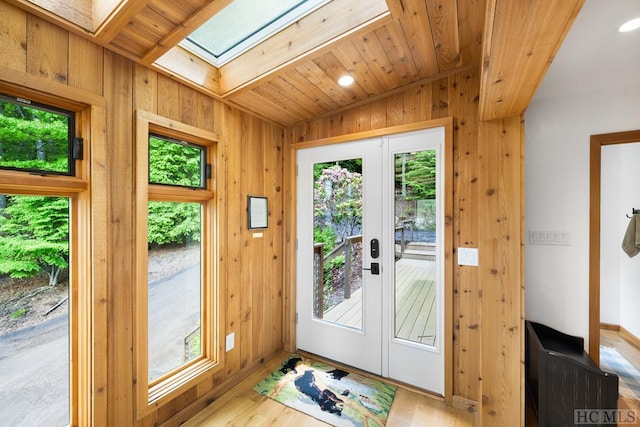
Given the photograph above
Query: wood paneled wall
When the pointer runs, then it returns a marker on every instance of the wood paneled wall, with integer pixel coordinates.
(488, 213)
(501, 273)
(250, 161)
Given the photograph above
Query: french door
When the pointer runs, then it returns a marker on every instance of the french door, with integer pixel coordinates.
(370, 255)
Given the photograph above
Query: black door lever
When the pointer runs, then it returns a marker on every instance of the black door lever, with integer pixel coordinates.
(375, 268)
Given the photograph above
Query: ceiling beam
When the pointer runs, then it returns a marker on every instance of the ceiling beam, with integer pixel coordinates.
(116, 19)
(521, 38)
(198, 18)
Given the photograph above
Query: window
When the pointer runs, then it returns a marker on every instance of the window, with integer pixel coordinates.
(44, 208)
(177, 163)
(177, 293)
(36, 138)
(243, 24)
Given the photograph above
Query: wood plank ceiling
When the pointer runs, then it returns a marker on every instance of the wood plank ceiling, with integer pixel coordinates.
(385, 45)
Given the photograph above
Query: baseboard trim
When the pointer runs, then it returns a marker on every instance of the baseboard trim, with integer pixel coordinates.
(629, 337)
(610, 327)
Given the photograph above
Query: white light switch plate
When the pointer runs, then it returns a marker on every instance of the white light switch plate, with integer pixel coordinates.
(556, 238)
(468, 256)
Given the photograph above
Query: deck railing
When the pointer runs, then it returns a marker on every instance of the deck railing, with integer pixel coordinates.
(320, 260)
(318, 280)
(405, 227)
(402, 241)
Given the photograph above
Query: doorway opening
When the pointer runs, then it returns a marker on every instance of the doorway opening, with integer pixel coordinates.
(373, 280)
(598, 142)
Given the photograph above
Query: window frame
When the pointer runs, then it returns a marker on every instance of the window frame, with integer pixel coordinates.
(87, 218)
(150, 395)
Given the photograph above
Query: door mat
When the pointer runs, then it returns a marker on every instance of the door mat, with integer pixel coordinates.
(332, 395)
(628, 376)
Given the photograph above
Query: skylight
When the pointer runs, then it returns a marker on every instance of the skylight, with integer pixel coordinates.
(243, 24)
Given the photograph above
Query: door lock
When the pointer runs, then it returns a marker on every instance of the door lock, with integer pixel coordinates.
(375, 268)
(375, 248)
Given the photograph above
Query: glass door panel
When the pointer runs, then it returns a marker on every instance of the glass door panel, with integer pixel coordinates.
(414, 223)
(337, 242)
(415, 246)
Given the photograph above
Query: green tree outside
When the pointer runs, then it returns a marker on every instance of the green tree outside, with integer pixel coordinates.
(416, 174)
(34, 139)
(173, 223)
(35, 236)
(174, 163)
(34, 230)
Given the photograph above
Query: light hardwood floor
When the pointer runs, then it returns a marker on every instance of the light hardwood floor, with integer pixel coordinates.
(242, 406)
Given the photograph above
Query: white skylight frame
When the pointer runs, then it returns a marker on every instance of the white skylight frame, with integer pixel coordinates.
(257, 37)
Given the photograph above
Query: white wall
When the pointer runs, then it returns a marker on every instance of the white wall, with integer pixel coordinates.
(612, 219)
(557, 197)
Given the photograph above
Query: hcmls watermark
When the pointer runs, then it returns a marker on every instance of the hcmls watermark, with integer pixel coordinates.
(605, 416)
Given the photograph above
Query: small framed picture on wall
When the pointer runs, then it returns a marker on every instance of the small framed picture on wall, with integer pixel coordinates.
(258, 208)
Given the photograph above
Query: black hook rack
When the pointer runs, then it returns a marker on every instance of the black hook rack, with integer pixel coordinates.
(634, 211)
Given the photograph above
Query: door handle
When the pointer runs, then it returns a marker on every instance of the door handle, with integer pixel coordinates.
(375, 268)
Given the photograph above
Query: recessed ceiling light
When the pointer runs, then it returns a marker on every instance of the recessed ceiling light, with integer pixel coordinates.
(630, 25)
(345, 80)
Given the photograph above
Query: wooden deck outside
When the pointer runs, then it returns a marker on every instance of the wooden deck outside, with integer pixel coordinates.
(415, 303)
